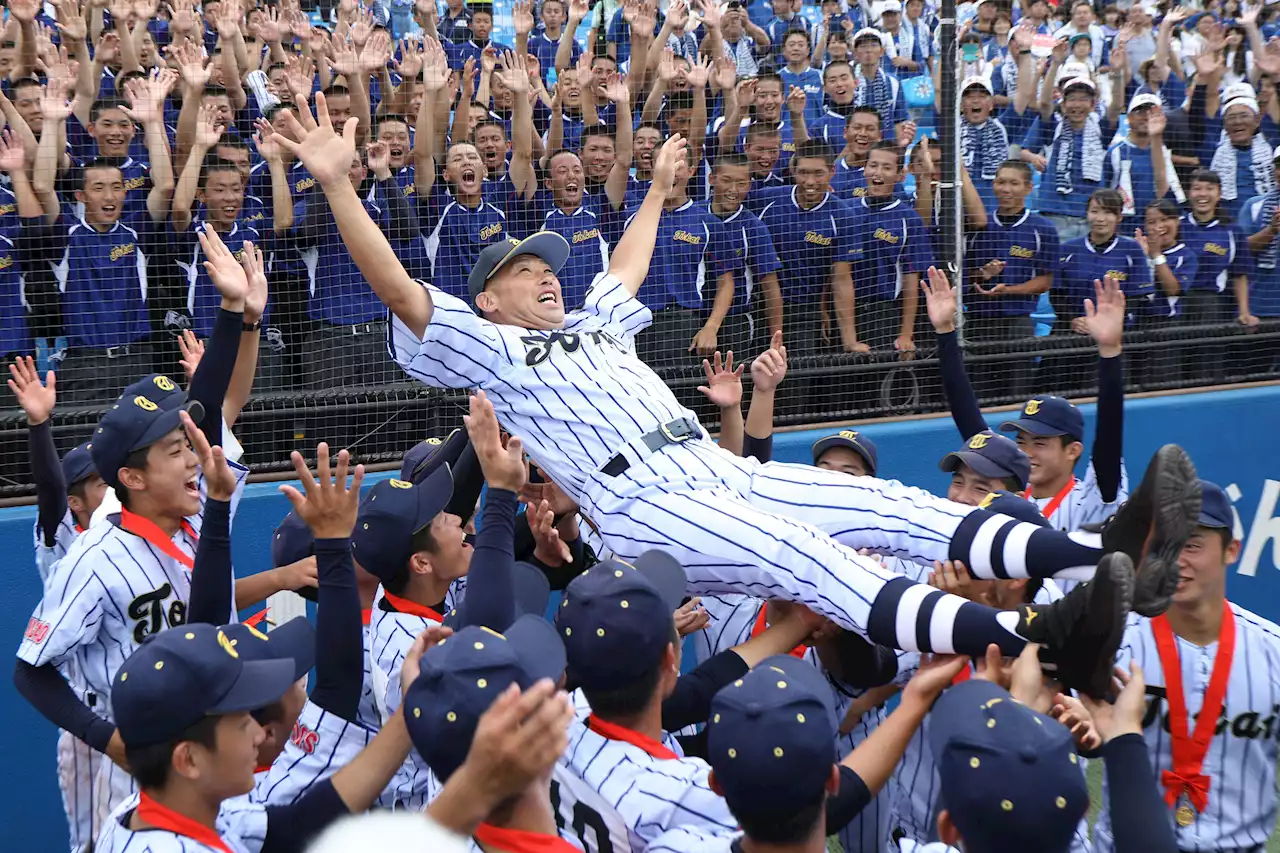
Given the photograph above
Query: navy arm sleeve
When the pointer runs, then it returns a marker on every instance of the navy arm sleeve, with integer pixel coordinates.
(212, 585)
(1133, 793)
(863, 664)
(760, 448)
(690, 703)
(51, 485)
(1108, 436)
(291, 828)
(490, 598)
(50, 694)
(213, 375)
(963, 403)
(468, 482)
(848, 802)
(339, 640)
(402, 223)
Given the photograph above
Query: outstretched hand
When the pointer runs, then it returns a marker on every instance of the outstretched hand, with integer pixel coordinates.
(940, 300)
(326, 154)
(724, 383)
(327, 503)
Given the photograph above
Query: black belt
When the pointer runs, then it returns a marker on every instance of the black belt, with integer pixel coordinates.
(372, 328)
(673, 432)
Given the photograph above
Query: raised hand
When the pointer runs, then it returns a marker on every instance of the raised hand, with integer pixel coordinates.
(935, 674)
(726, 72)
(1125, 715)
(54, 106)
(409, 65)
(724, 383)
(1143, 243)
(376, 52)
(108, 52)
(796, 100)
(208, 128)
(522, 17)
(1104, 317)
(549, 493)
(191, 65)
(329, 505)
(488, 59)
(36, 399)
(699, 73)
(24, 11)
(71, 21)
(262, 140)
(512, 72)
(223, 268)
(548, 547)
(669, 155)
(192, 349)
(770, 367)
(691, 617)
(940, 299)
(435, 68)
(379, 159)
(344, 58)
(255, 272)
(579, 9)
(503, 467)
(746, 93)
(326, 154)
(12, 155)
(1072, 713)
(667, 66)
(219, 482)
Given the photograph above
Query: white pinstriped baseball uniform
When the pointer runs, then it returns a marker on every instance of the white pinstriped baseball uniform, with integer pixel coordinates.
(1084, 504)
(112, 590)
(1241, 761)
(241, 824)
(321, 744)
(578, 396)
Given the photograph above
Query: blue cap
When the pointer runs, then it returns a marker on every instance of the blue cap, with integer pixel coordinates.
(292, 541)
(769, 738)
(548, 245)
(294, 641)
(855, 441)
(157, 388)
(616, 619)
(132, 423)
(529, 587)
(390, 514)
(1010, 777)
(990, 455)
(1014, 506)
(422, 460)
(78, 464)
(461, 677)
(1215, 507)
(1048, 416)
(180, 676)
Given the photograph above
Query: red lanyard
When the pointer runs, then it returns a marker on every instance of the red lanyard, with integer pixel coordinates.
(1189, 751)
(758, 628)
(148, 530)
(521, 841)
(163, 817)
(413, 608)
(616, 732)
(366, 615)
(1052, 506)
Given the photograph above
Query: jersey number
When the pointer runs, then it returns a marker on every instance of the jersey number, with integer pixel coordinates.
(583, 817)
(147, 611)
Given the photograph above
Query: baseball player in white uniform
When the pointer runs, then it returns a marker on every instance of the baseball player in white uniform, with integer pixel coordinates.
(1209, 662)
(604, 428)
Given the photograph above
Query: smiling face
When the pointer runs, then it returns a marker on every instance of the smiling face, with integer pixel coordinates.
(976, 105)
(1102, 222)
(839, 84)
(1051, 458)
(170, 478)
(1162, 230)
(813, 178)
(1241, 123)
(597, 155)
(464, 169)
(796, 48)
(1011, 188)
(1204, 197)
(1077, 104)
(970, 488)
(524, 293)
(396, 135)
(113, 131)
(860, 133)
(762, 150)
(567, 180)
(643, 143)
(882, 173)
(1138, 121)
(102, 196)
(769, 100)
(729, 187)
(222, 196)
(1202, 567)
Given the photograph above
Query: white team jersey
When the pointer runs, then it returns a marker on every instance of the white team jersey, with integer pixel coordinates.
(322, 743)
(574, 395)
(241, 824)
(1241, 762)
(682, 839)
(111, 591)
(48, 555)
(647, 794)
(733, 617)
(1084, 504)
(367, 713)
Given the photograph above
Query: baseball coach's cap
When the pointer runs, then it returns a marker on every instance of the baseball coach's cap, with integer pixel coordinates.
(180, 676)
(390, 514)
(548, 245)
(1010, 778)
(616, 619)
(463, 674)
(990, 455)
(769, 738)
(857, 442)
(132, 423)
(1048, 416)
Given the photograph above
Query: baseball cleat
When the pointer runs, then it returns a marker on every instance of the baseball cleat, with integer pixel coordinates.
(1153, 524)
(1081, 632)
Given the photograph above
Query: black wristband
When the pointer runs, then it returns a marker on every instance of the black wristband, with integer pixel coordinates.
(252, 327)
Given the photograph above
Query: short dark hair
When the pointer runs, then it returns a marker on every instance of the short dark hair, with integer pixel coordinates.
(813, 149)
(802, 33)
(482, 10)
(648, 125)
(23, 82)
(759, 128)
(593, 130)
(389, 119)
(887, 145)
(234, 142)
(213, 90)
(135, 74)
(336, 89)
(1166, 206)
(771, 77)
(1023, 169)
(274, 110)
(421, 541)
(554, 154)
(1206, 176)
(272, 713)
(489, 122)
(791, 829)
(1110, 200)
(135, 459)
(627, 700)
(866, 110)
(214, 163)
(101, 105)
(835, 64)
(731, 158)
(274, 66)
(150, 765)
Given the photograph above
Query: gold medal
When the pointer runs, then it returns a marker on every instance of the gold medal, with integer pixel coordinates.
(1184, 815)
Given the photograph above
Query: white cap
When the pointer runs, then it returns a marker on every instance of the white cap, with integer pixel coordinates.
(888, 6)
(976, 80)
(1238, 90)
(1065, 83)
(865, 32)
(1250, 103)
(1145, 99)
(1150, 8)
(388, 831)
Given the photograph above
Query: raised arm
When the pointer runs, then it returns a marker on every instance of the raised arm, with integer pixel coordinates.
(147, 100)
(767, 372)
(511, 68)
(328, 156)
(630, 260)
(207, 134)
(615, 186)
(940, 301)
(578, 9)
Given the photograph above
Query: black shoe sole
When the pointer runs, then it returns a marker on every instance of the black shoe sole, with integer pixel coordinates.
(1110, 600)
(1176, 509)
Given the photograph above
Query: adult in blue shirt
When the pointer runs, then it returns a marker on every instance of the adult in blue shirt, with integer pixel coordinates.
(877, 87)
(1011, 262)
(891, 252)
(798, 73)
(691, 283)
(1260, 221)
(1073, 145)
(481, 27)
(1141, 166)
(1243, 159)
(786, 19)
(757, 299)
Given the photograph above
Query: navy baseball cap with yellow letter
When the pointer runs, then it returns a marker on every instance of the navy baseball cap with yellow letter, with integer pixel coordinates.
(855, 441)
(462, 675)
(78, 464)
(390, 514)
(132, 423)
(616, 619)
(548, 245)
(180, 676)
(1048, 416)
(990, 455)
(158, 388)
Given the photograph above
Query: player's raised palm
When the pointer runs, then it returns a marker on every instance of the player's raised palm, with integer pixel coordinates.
(503, 467)
(329, 505)
(936, 672)
(724, 383)
(669, 156)
(326, 154)
(223, 268)
(219, 482)
(36, 399)
(1104, 316)
(940, 297)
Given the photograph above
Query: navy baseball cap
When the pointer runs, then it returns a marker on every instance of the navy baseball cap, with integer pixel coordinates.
(157, 388)
(1215, 507)
(180, 676)
(461, 677)
(548, 245)
(1010, 777)
(1048, 416)
(855, 441)
(291, 542)
(616, 619)
(1014, 506)
(294, 641)
(78, 464)
(769, 738)
(422, 460)
(990, 455)
(529, 587)
(133, 423)
(390, 514)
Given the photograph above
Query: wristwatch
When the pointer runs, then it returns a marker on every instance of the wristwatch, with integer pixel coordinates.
(1159, 261)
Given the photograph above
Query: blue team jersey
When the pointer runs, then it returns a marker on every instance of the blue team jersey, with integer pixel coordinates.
(1183, 263)
(691, 252)
(850, 182)
(885, 96)
(1029, 247)
(1083, 263)
(1133, 173)
(753, 248)
(203, 297)
(1049, 198)
(286, 261)
(14, 334)
(889, 243)
(338, 293)
(1221, 250)
(765, 190)
(456, 234)
(458, 54)
(545, 49)
(808, 243)
(137, 184)
(637, 189)
(1264, 282)
(778, 29)
(588, 235)
(829, 127)
(810, 80)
